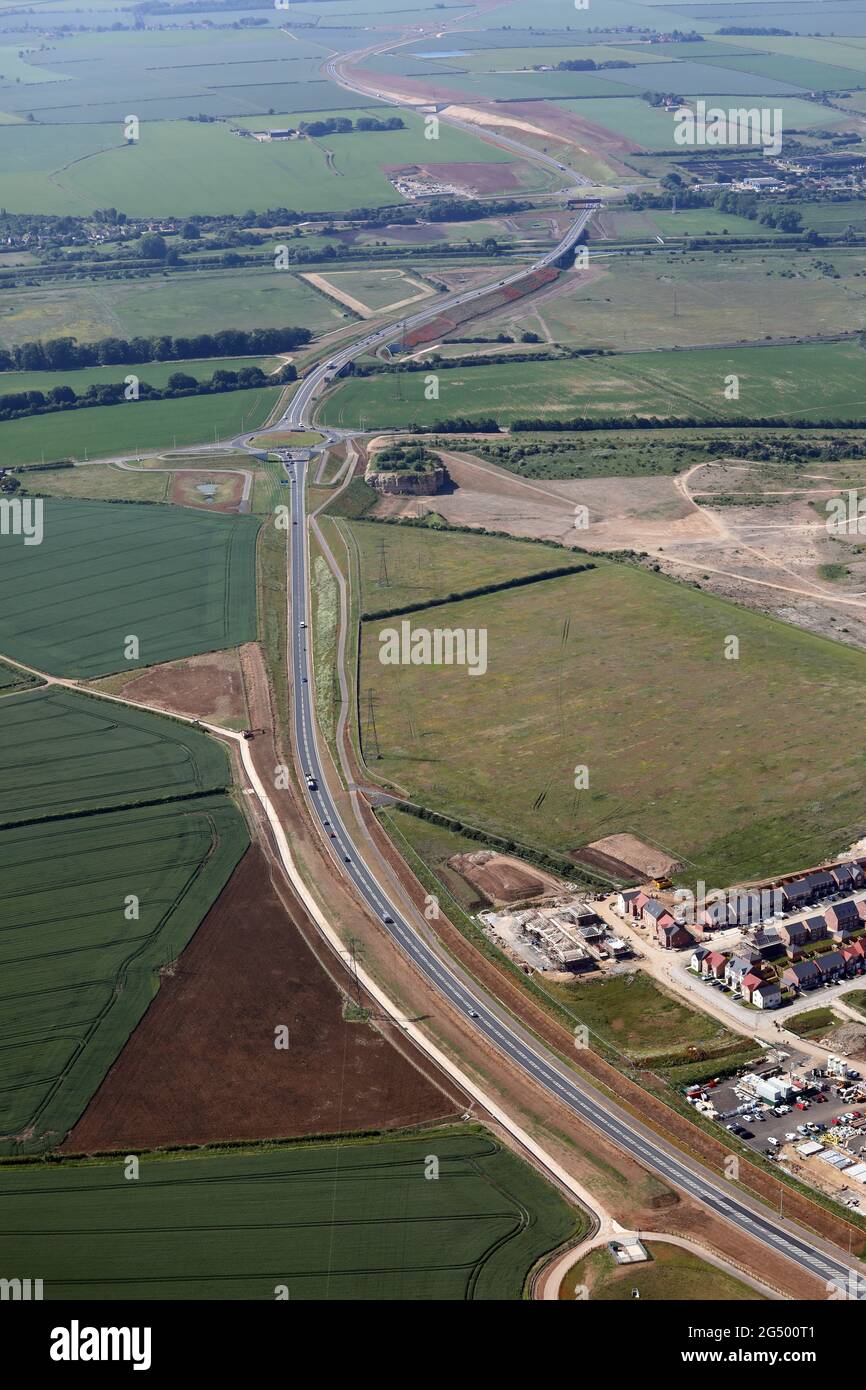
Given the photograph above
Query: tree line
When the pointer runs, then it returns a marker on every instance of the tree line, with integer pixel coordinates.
(65, 354)
(16, 405)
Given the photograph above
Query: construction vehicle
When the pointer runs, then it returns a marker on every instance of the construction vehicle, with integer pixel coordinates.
(662, 883)
(251, 733)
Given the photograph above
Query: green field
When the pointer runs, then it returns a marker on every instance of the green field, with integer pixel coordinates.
(624, 673)
(202, 301)
(65, 752)
(153, 373)
(179, 580)
(107, 431)
(631, 225)
(670, 1275)
(743, 296)
(813, 1023)
(409, 565)
(642, 1022)
(811, 381)
(378, 289)
(324, 1222)
(184, 167)
(98, 802)
(96, 482)
(11, 679)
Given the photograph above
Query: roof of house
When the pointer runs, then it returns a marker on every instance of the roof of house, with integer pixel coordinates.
(816, 923)
(700, 952)
(831, 961)
(846, 872)
(751, 981)
(656, 909)
(739, 965)
(802, 970)
(820, 878)
(795, 888)
(846, 911)
(767, 987)
(715, 958)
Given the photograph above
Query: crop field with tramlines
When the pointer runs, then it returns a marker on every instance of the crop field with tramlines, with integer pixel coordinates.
(62, 753)
(179, 581)
(115, 838)
(324, 1221)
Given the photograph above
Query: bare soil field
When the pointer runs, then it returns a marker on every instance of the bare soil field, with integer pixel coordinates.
(205, 687)
(635, 854)
(501, 879)
(476, 178)
(202, 1066)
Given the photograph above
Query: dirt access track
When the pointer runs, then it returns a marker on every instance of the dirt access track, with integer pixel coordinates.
(202, 1066)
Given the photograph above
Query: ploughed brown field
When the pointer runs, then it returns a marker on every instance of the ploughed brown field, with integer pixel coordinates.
(202, 1065)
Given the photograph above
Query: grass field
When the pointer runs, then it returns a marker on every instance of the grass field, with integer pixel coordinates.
(856, 999)
(643, 1022)
(202, 301)
(701, 765)
(378, 289)
(410, 565)
(327, 1222)
(77, 839)
(181, 167)
(628, 225)
(110, 430)
(153, 373)
(97, 482)
(811, 381)
(654, 301)
(671, 1274)
(179, 581)
(652, 128)
(813, 1023)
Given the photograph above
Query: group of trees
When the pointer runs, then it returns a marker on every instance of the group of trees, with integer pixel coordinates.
(342, 125)
(18, 404)
(65, 354)
(405, 458)
(590, 65)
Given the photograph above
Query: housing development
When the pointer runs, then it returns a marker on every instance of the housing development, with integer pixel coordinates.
(432, 664)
